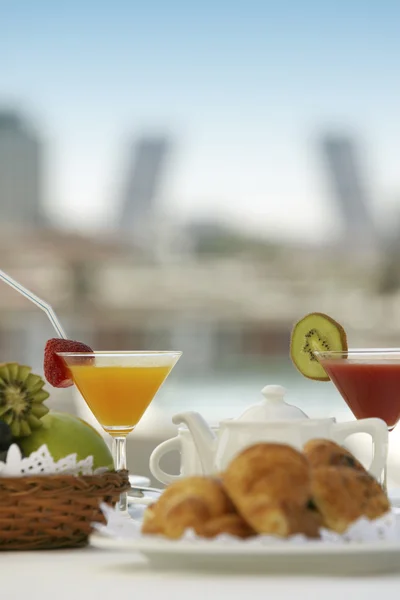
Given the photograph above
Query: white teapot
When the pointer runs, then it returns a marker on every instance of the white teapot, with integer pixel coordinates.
(273, 420)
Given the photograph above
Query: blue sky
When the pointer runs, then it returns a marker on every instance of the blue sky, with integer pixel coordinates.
(244, 87)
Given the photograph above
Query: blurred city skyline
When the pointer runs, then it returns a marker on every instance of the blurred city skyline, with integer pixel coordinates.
(244, 91)
(138, 215)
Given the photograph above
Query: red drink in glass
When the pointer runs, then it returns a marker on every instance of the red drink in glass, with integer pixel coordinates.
(368, 381)
(371, 389)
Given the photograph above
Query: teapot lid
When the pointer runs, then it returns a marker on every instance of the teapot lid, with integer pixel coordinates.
(273, 407)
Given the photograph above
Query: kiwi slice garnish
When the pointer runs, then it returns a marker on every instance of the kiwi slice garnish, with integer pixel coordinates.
(315, 332)
(21, 399)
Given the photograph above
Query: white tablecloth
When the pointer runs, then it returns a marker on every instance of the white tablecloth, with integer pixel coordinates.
(98, 574)
(92, 573)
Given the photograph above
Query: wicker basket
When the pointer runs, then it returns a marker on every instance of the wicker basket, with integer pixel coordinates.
(54, 511)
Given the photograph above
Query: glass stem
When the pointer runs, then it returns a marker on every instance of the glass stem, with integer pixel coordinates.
(384, 473)
(119, 455)
(384, 479)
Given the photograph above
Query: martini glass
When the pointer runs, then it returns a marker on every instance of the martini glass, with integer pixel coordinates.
(118, 387)
(369, 382)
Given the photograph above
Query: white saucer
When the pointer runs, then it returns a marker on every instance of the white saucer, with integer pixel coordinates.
(139, 480)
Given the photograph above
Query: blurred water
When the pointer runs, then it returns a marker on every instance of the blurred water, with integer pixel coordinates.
(227, 394)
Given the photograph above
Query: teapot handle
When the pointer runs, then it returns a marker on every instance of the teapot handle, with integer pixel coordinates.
(174, 444)
(379, 433)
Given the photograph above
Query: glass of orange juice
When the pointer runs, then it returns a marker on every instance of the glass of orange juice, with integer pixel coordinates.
(118, 387)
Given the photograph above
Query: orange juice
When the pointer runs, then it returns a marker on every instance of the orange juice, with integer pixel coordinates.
(118, 395)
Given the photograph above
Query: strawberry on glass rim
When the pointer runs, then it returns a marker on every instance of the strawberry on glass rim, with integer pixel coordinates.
(55, 369)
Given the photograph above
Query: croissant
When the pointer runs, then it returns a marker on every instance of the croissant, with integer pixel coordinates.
(343, 494)
(325, 453)
(271, 489)
(198, 503)
(270, 486)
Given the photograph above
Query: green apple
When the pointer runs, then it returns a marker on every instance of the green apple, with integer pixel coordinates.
(66, 434)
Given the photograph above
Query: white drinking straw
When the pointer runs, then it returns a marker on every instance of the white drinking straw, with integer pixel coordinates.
(40, 303)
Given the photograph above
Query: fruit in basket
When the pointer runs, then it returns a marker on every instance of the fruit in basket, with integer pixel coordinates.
(55, 370)
(66, 434)
(315, 332)
(21, 399)
(6, 437)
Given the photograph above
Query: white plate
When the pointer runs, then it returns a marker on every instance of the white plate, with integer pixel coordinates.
(311, 558)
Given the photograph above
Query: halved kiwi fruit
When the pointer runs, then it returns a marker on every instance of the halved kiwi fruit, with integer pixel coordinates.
(315, 332)
(21, 399)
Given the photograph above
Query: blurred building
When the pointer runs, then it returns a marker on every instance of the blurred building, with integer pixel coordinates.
(349, 188)
(20, 172)
(143, 180)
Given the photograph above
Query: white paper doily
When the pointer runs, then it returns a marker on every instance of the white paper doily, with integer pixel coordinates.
(363, 530)
(41, 462)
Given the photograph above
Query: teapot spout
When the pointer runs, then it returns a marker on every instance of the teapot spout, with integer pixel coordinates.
(203, 436)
